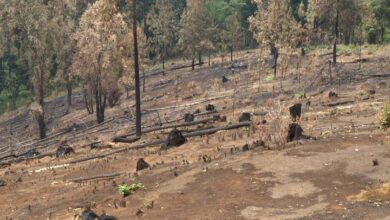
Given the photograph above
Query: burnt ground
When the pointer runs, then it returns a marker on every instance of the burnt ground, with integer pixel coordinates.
(328, 176)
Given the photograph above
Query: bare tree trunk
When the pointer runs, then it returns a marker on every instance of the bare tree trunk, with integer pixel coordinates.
(275, 53)
(231, 54)
(382, 34)
(42, 125)
(143, 81)
(336, 30)
(87, 105)
(99, 103)
(69, 96)
(41, 116)
(163, 63)
(259, 75)
(209, 60)
(193, 64)
(200, 58)
(136, 75)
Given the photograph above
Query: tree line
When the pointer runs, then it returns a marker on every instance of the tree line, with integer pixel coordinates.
(48, 46)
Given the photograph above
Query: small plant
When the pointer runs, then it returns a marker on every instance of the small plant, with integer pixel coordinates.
(245, 129)
(136, 186)
(126, 190)
(384, 117)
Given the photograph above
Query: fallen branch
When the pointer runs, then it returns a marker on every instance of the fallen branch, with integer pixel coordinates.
(189, 104)
(204, 121)
(339, 102)
(104, 176)
(360, 60)
(125, 140)
(214, 130)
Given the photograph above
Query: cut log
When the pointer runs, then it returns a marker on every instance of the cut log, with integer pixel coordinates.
(185, 124)
(125, 140)
(158, 142)
(340, 102)
(104, 176)
(189, 104)
(214, 130)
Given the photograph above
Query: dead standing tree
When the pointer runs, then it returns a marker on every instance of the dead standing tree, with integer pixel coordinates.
(102, 42)
(136, 72)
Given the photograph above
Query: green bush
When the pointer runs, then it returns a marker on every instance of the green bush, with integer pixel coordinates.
(126, 190)
(384, 117)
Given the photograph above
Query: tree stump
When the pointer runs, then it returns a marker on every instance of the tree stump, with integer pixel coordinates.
(295, 112)
(175, 139)
(142, 164)
(189, 117)
(295, 132)
(63, 151)
(245, 116)
(210, 107)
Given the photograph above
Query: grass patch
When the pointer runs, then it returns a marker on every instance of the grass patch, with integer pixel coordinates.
(270, 77)
(351, 48)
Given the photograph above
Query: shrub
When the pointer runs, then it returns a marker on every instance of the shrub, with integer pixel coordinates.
(126, 190)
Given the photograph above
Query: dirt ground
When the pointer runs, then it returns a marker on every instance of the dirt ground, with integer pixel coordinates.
(330, 175)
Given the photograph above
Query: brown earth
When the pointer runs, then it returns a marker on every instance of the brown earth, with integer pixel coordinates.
(329, 176)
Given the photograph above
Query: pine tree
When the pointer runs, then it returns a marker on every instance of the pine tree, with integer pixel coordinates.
(275, 28)
(333, 14)
(196, 30)
(381, 11)
(163, 25)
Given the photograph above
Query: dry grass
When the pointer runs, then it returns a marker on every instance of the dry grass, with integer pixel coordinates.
(381, 192)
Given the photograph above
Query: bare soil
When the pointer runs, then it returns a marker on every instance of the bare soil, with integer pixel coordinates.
(329, 175)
